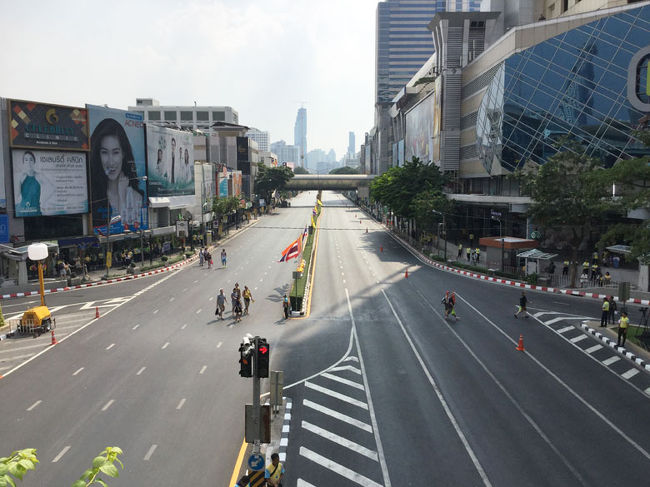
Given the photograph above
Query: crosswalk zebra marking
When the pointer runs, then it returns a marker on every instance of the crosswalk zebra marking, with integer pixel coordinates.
(337, 395)
(336, 415)
(340, 440)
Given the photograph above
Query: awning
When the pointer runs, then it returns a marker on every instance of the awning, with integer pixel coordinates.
(20, 253)
(172, 202)
(619, 249)
(536, 254)
(159, 202)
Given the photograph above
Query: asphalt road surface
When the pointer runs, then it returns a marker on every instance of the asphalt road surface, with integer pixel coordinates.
(385, 391)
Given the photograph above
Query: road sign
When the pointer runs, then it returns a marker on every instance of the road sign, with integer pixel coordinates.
(535, 234)
(260, 431)
(256, 462)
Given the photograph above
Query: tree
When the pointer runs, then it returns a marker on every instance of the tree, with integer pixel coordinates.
(569, 193)
(270, 179)
(345, 170)
(300, 170)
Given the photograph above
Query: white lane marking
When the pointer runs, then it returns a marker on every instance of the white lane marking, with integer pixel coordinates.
(203, 369)
(630, 373)
(351, 358)
(345, 367)
(184, 326)
(10, 349)
(147, 457)
(563, 330)
(34, 405)
(61, 453)
(78, 370)
(343, 381)
(336, 415)
(211, 298)
(198, 311)
(452, 419)
(338, 468)
(171, 299)
(219, 344)
(165, 345)
(196, 281)
(647, 391)
(110, 346)
(140, 371)
(566, 387)
(180, 404)
(155, 311)
(108, 405)
(578, 338)
(136, 327)
(594, 348)
(184, 289)
(611, 360)
(339, 440)
(337, 395)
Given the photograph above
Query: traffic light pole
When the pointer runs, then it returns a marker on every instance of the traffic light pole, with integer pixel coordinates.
(256, 399)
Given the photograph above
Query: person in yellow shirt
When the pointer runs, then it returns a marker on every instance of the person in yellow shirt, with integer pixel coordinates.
(605, 313)
(274, 472)
(623, 324)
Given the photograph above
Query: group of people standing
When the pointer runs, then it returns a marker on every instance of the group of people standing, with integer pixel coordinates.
(238, 310)
(608, 315)
(473, 255)
(206, 257)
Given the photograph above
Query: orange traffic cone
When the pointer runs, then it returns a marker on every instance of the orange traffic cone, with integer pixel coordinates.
(54, 342)
(520, 347)
(96, 312)
(406, 274)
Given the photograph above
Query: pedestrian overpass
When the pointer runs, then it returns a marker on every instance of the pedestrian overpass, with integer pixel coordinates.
(335, 182)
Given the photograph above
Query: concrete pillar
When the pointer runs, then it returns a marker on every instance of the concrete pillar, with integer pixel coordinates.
(644, 278)
(22, 273)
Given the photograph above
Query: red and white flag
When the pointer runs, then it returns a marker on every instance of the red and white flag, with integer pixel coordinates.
(293, 250)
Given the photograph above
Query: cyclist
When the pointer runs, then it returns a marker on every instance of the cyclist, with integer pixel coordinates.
(221, 304)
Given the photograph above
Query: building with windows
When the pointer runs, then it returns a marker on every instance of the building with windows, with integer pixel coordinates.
(259, 136)
(351, 144)
(300, 135)
(285, 152)
(186, 117)
(555, 8)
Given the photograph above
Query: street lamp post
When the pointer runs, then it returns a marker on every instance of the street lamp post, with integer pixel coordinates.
(109, 222)
(444, 231)
(497, 216)
(38, 252)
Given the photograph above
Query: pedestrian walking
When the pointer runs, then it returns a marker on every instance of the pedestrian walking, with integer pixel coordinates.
(237, 309)
(235, 295)
(201, 257)
(460, 250)
(208, 258)
(605, 312)
(285, 306)
(224, 258)
(523, 301)
(612, 310)
(248, 297)
(565, 268)
(468, 252)
(274, 472)
(623, 324)
(449, 301)
(478, 255)
(221, 304)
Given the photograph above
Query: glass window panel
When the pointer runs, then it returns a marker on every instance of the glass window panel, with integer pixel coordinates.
(170, 116)
(187, 116)
(203, 116)
(218, 116)
(154, 116)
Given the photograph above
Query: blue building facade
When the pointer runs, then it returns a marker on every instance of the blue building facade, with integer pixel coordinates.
(589, 84)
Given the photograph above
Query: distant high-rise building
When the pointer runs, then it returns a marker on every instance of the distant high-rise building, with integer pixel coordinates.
(351, 144)
(286, 153)
(259, 136)
(404, 43)
(185, 117)
(300, 134)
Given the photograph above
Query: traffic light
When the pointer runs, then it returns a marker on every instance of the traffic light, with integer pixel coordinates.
(245, 360)
(263, 354)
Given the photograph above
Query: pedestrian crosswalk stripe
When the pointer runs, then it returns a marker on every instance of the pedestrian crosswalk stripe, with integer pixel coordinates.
(336, 415)
(343, 381)
(578, 338)
(565, 329)
(339, 440)
(337, 395)
(303, 483)
(346, 367)
(611, 360)
(555, 320)
(351, 358)
(630, 373)
(594, 348)
(647, 391)
(338, 468)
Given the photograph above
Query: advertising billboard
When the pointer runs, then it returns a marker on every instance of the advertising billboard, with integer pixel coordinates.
(49, 182)
(3, 157)
(419, 130)
(117, 169)
(35, 125)
(170, 162)
(437, 119)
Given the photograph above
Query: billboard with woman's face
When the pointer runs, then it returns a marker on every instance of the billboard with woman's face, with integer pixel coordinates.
(419, 130)
(170, 162)
(117, 169)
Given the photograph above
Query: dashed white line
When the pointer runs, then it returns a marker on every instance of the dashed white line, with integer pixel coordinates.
(594, 348)
(34, 405)
(219, 344)
(108, 405)
(78, 370)
(147, 457)
(198, 311)
(171, 299)
(180, 404)
(611, 360)
(630, 373)
(165, 345)
(141, 370)
(196, 281)
(136, 327)
(562, 330)
(155, 311)
(211, 298)
(184, 326)
(578, 338)
(203, 369)
(110, 346)
(60, 455)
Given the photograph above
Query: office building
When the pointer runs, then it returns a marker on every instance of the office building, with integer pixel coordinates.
(285, 152)
(186, 117)
(351, 144)
(555, 8)
(300, 134)
(259, 136)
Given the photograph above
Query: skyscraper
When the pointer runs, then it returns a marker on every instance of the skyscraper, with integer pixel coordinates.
(300, 134)
(259, 136)
(351, 144)
(403, 41)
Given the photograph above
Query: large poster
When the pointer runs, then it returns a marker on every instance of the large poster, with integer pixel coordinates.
(3, 157)
(117, 169)
(437, 119)
(35, 125)
(419, 130)
(170, 162)
(49, 182)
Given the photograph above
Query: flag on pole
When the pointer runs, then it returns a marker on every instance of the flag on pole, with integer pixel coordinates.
(319, 202)
(314, 212)
(313, 222)
(293, 250)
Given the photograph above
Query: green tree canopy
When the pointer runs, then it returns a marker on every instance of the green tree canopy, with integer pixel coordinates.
(270, 179)
(225, 206)
(345, 170)
(300, 170)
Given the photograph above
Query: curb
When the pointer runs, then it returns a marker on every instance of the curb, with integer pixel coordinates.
(612, 344)
(284, 438)
(483, 277)
(99, 283)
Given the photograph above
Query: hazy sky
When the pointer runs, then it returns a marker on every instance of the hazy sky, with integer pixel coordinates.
(261, 57)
